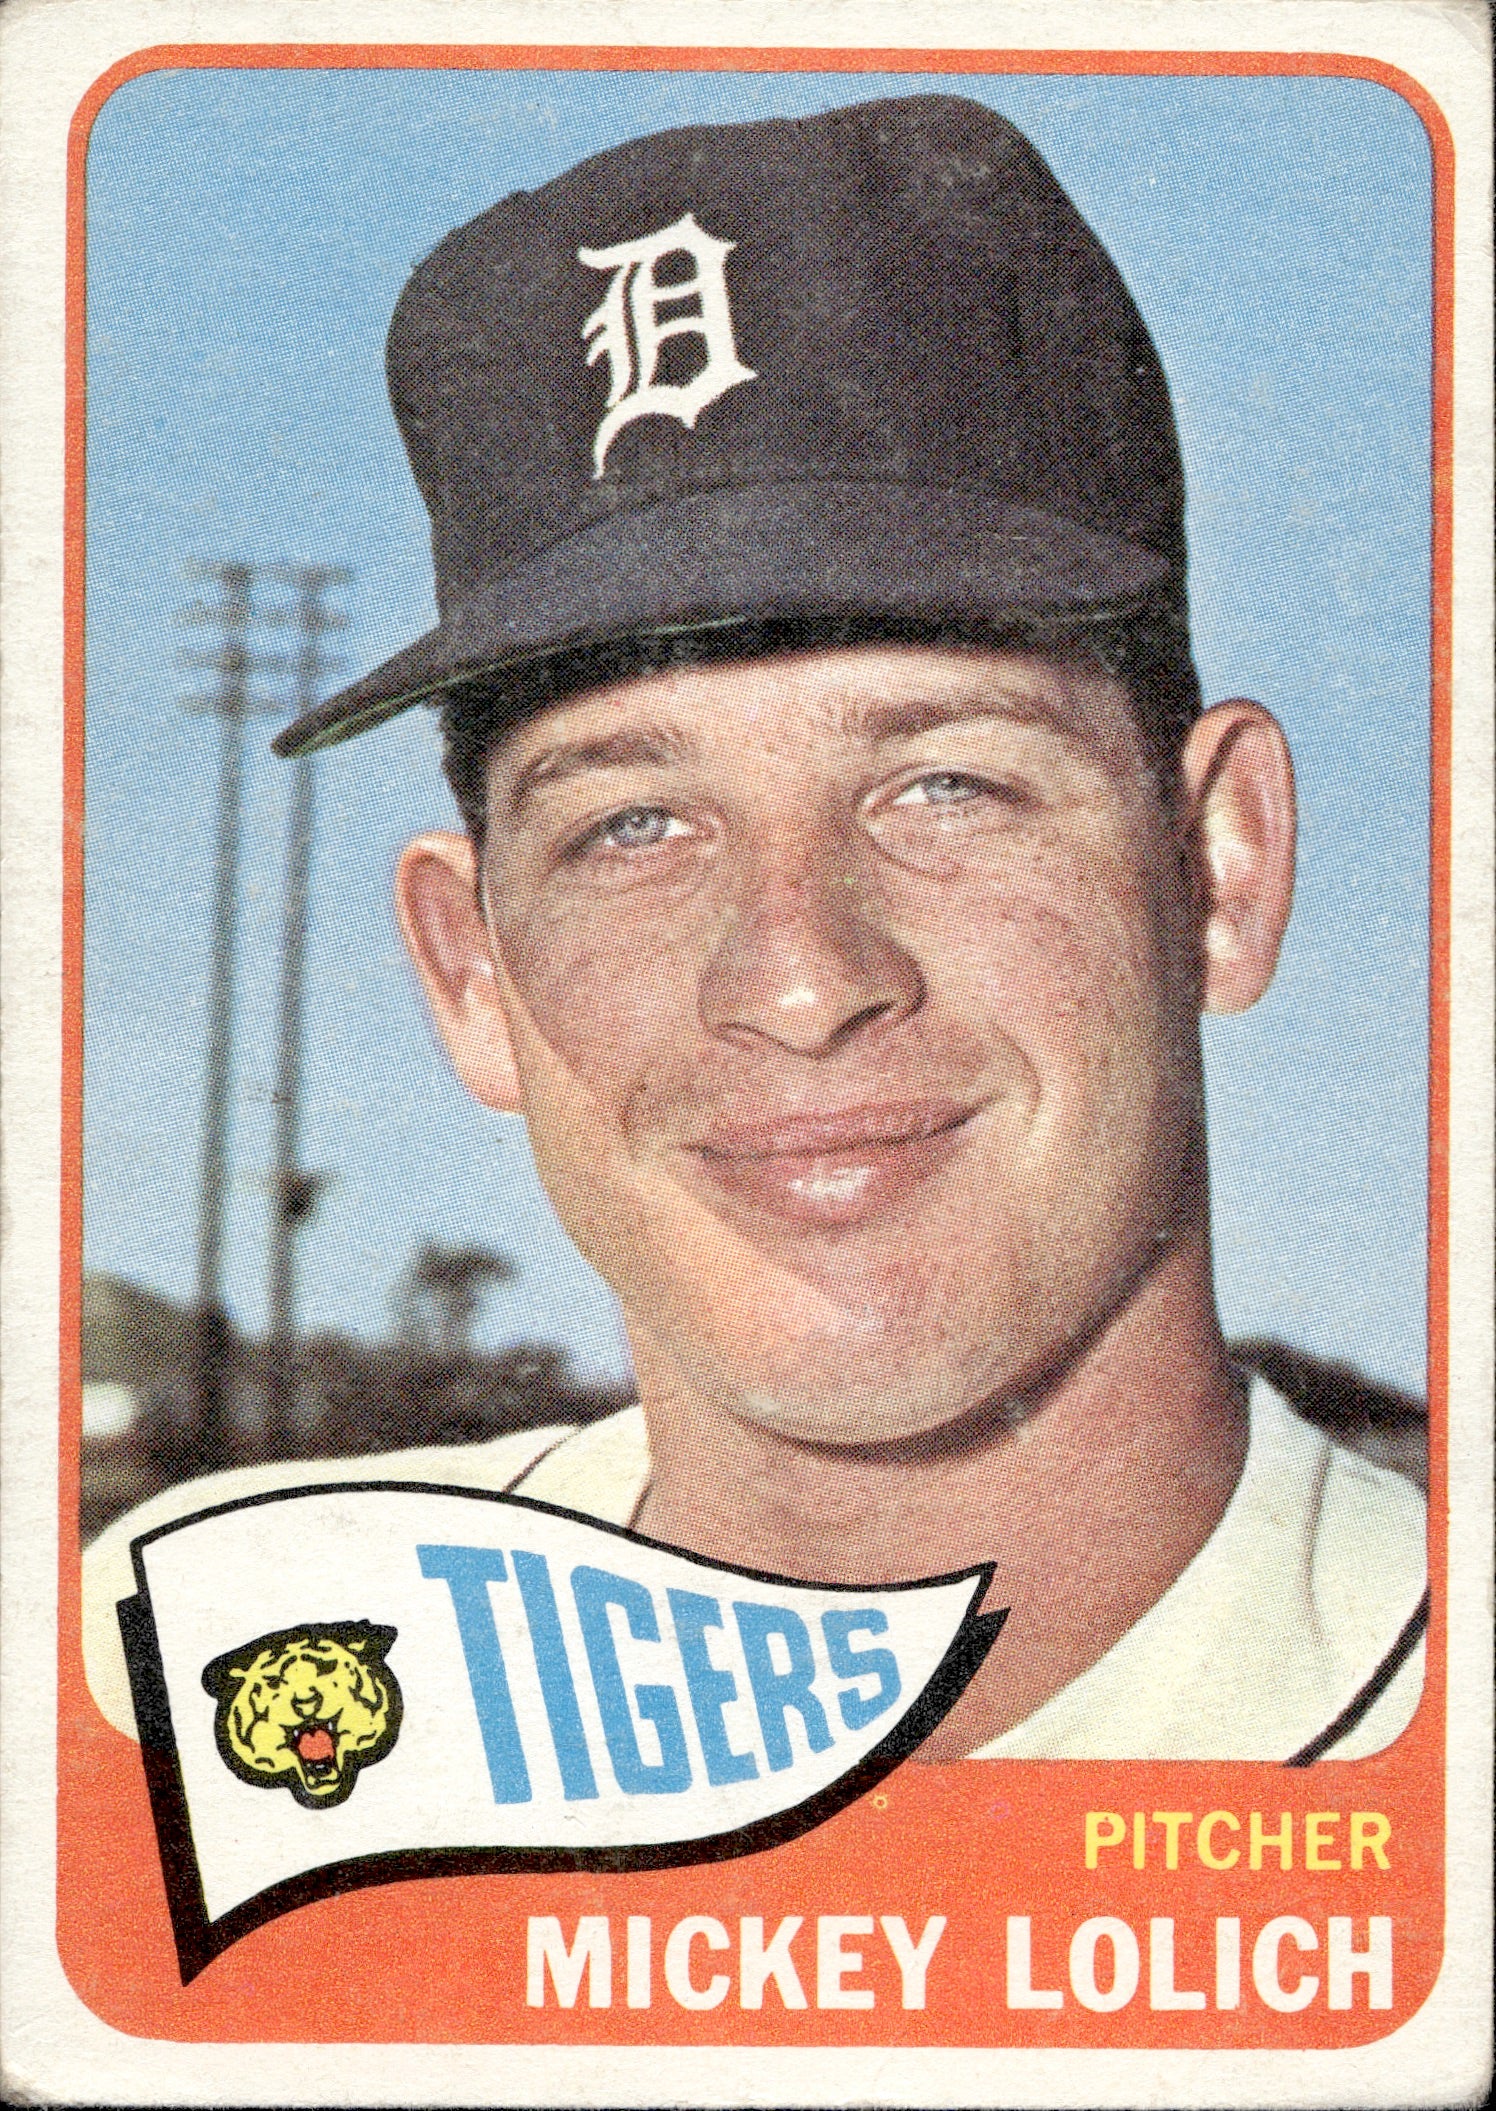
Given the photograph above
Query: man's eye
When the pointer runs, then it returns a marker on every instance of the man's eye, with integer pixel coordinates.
(636, 828)
(949, 788)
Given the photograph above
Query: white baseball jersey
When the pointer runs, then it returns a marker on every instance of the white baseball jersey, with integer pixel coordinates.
(1294, 1634)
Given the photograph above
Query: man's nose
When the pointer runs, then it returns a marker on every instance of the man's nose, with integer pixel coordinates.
(806, 962)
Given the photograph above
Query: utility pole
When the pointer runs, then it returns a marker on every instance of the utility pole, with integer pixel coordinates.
(294, 1191)
(230, 703)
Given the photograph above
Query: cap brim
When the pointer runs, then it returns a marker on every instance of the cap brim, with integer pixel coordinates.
(788, 551)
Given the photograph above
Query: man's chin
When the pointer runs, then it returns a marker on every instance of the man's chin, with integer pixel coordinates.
(844, 1365)
(876, 1413)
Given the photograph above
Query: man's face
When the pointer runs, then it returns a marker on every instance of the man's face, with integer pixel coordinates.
(852, 996)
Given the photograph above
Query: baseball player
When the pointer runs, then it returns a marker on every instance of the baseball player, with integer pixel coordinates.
(846, 862)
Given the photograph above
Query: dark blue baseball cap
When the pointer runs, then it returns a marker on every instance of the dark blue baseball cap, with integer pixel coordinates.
(868, 365)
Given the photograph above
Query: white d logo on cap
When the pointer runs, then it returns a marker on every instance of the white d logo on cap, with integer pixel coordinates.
(630, 327)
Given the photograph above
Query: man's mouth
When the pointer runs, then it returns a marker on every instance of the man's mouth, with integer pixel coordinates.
(837, 1168)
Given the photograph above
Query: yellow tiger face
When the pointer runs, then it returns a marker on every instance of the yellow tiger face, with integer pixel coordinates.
(306, 1708)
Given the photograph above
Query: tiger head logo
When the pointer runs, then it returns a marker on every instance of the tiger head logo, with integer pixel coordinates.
(306, 1708)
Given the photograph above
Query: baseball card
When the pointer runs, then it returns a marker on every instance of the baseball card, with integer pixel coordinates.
(747, 1038)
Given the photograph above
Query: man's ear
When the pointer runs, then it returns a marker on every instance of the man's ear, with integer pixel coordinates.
(436, 897)
(1236, 777)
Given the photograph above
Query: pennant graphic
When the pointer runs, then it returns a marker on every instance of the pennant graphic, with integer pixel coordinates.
(347, 1685)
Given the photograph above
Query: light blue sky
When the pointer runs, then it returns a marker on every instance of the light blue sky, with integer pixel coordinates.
(249, 233)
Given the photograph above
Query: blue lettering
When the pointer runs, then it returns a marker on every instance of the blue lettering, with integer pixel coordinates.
(850, 1663)
(467, 1573)
(710, 1688)
(595, 1590)
(533, 1575)
(776, 1691)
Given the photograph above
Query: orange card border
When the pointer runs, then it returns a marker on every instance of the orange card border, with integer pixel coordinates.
(1428, 1725)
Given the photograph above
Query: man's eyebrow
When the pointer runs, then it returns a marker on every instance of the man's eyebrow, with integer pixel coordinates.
(638, 746)
(875, 723)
